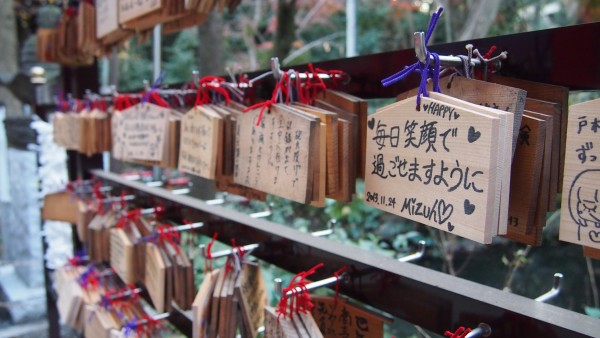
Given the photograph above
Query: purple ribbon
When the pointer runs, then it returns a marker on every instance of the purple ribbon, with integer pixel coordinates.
(424, 69)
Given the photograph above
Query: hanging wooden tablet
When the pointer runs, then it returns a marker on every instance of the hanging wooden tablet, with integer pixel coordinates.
(342, 319)
(278, 328)
(169, 279)
(202, 304)
(546, 92)
(226, 313)
(579, 219)
(306, 325)
(546, 182)
(69, 295)
(275, 156)
(525, 183)
(348, 150)
(554, 111)
(99, 322)
(121, 255)
(436, 166)
(108, 30)
(85, 214)
(201, 136)
(491, 95)
(144, 129)
(252, 295)
(60, 207)
(358, 107)
(330, 121)
(505, 155)
(213, 327)
(155, 279)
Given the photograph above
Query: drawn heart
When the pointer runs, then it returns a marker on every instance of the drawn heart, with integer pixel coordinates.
(594, 236)
(445, 210)
(469, 208)
(473, 135)
(425, 106)
(450, 227)
(456, 115)
(371, 123)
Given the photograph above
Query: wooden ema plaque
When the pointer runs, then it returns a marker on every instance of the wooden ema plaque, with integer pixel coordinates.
(436, 166)
(121, 255)
(580, 218)
(553, 111)
(483, 93)
(143, 131)
(201, 135)
(549, 93)
(505, 154)
(343, 319)
(155, 277)
(275, 156)
(252, 296)
(201, 305)
(525, 181)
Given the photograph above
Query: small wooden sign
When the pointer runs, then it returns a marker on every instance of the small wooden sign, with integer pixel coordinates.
(252, 294)
(275, 156)
(525, 181)
(201, 139)
(107, 18)
(133, 9)
(202, 303)
(143, 130)
(282, 327)
(553, 110)
(155, 278)
(580, 218)
(343, 319)
(121, 255)
(546, 92)
(436, 166)
(60, 207)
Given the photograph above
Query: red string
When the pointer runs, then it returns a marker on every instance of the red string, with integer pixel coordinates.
(167, 234)
(301, 300)
(99, 197)
(208, 266)
(281, 86)
(129, 218)
(337, 275)
(158, 100)
(487, 56)
(461, 332)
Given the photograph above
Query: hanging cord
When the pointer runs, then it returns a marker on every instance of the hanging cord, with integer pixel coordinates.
(421, 68)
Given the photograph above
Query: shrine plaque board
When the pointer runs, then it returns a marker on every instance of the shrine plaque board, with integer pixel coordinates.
(275, 156)
(553, 110)
(546, 92)
(436, 166)
(580, 216)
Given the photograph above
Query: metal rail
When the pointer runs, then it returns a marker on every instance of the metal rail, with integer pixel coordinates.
(430, 299)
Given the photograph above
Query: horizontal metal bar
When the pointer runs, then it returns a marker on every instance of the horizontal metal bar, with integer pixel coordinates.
(433, 300)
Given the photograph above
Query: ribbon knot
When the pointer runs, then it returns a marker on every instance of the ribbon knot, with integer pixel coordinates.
(422, 68)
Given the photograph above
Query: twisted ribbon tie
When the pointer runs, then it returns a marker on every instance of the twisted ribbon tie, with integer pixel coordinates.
(421, 68)
(301, 300)
(235, 260)
(131, 326)
(280, 87)
(338, 275)
(89, 279)
(314, 83)
(99, 197)
(461, 332)
(129, 218)
(213, 83)
(334, 74)
(208, 266)
(168, 234)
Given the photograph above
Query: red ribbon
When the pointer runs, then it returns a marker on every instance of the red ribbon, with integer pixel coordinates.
(99, 197)
(158, 100)
(461, 332)
(337, 275)
(168, 234)
(280, 86)
(208, 262)
(129, 217)
(301, 300)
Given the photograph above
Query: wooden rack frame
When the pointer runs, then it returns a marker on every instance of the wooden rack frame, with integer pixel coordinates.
(567, 56)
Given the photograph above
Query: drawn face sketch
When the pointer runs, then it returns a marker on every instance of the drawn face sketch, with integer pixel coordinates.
(584, 200)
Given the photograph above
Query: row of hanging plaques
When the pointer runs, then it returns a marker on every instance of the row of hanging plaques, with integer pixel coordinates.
(480, 159)
(144, 250)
